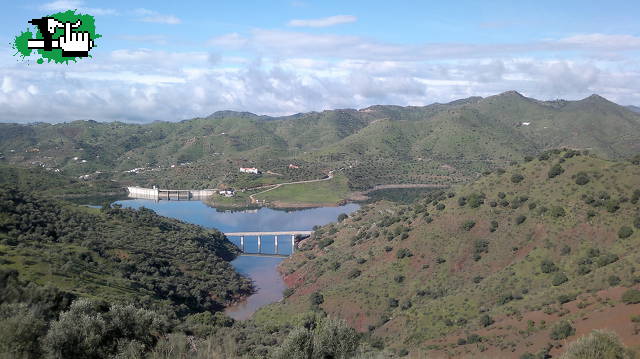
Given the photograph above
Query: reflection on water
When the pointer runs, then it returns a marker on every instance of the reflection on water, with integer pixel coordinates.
(267, 280)
(262, 270)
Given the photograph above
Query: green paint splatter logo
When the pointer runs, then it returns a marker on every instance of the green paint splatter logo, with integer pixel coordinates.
(59, 38)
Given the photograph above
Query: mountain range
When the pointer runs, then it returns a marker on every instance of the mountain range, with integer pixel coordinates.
(444, 143)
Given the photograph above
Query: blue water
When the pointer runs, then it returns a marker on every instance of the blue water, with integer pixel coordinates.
(262, 270)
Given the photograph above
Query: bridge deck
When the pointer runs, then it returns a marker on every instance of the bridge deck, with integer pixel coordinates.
(249, 234)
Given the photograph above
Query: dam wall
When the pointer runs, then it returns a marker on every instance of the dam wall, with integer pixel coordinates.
(157, 193)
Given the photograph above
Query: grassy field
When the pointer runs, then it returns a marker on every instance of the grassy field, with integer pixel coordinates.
(323, 192)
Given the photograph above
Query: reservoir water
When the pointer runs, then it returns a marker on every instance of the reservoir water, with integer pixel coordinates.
(261, 269)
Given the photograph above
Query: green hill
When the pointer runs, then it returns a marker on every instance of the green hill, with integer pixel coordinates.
(491, 268)
(117, 254)
(438, 143)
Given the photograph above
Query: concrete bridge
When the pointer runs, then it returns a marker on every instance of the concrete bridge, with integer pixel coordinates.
(288, 236)
(168, 194)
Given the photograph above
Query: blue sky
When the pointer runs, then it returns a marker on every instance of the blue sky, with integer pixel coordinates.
(176, 60)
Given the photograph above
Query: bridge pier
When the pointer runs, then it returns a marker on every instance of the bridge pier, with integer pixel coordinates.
(242, 243)
(276, 243)
(259, 245)
(293, 243)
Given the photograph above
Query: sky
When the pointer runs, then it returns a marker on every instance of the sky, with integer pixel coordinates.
(176, 60)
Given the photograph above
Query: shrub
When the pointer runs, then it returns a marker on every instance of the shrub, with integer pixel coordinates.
(566, 298)
(403, 252)
(557, 211)
(501, 195)
(316, 299)
(613, 280)
(476, 200)
(342, 217)
(462, 201)
(559, 278)
(598, 344)
(528, 158)
(477, 279)
(330, 338)
(555, 170)
(547, 266)
(631, 296)
(361, 260)
(486, 320)
(467, 225)
(543, 156)
(517, 178)
(520, 219)
(440, 206)
(582, 179)
(612, 205)
(625, 232)
(606, 259)
(393, 302)
(636, 222)
(325, 243)
(287, 292)
(562, 330)
(398, 278)
(354, 273)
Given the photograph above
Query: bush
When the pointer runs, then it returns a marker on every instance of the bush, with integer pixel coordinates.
(559, 278)
(440, 206)
(557, 211)
(547, 266)
(520, 219)
(325, 243)
(555, 170)
(599, 344)
(393, 303)
(342, 217)
(355, 273)
(287, 292)
(403, 252)
(631, 296)
(582, 179)
(486, 320)
(566, 298)
(462, 201)
(625, 232)
(316, 299)
(562, 330)
(467, 225)
(606, 259)
(613, 280)
(330, 338)
(517, 178)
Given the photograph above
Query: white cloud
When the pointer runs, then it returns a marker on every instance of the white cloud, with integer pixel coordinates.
(292, 43)
(147, 15)
(64, 5)
(324, 22)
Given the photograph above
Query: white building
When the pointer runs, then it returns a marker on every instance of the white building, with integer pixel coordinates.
(227, 193)
(249, 170)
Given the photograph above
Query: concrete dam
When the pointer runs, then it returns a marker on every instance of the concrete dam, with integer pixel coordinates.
(168, 194)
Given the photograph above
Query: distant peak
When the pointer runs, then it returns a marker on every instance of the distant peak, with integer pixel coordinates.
(511, 93)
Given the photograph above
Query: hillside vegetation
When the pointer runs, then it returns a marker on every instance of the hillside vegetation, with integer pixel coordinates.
(509, 265)
(438, 143)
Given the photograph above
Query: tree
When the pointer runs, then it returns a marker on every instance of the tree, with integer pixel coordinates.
(562, 330)
(598, 344)
(625, 232)
(555, 170)
(582, 179)
(517, 178)
(486, 320)
(316, 299)
(559, 278)
(467, 225)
